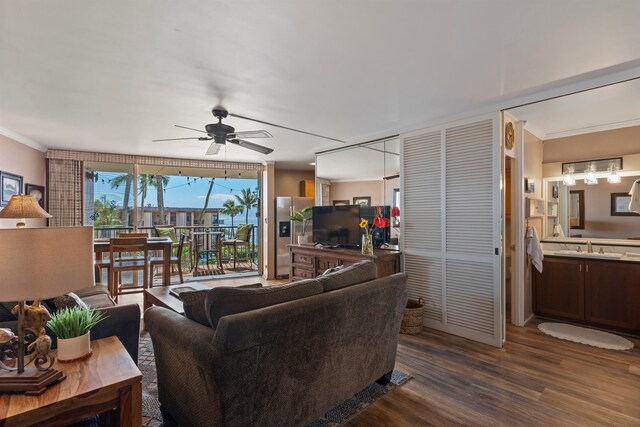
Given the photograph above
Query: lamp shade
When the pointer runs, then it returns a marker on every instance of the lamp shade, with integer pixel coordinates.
(39, 263)
(23, 206)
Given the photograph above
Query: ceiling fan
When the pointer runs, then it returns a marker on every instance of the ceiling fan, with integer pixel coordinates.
(221, 133)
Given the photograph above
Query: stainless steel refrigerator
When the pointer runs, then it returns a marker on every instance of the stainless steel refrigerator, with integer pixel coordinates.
(287, 231)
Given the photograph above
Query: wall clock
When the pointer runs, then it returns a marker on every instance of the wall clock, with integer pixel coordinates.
(509, 136)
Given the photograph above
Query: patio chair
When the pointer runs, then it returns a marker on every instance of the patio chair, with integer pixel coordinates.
(243, 234)
(175, 260)
(127, 254)
(207, 243)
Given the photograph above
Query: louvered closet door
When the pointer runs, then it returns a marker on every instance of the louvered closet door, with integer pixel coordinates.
(451, 205)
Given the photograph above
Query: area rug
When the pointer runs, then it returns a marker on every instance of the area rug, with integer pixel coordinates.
(337, 416)
(592, 337)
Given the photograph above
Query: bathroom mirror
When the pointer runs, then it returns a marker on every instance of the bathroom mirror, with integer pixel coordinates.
(368, 173)
(585, 211)
(576, 209)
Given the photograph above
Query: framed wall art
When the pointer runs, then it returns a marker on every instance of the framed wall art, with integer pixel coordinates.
(10, 184)
(37, 192)
(362, 200)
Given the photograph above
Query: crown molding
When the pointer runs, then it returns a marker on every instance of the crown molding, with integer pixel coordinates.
(22, 139)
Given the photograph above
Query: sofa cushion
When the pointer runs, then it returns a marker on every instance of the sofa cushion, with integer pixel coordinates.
(92, 290)
(359, 272)
(98, 301)
(194, 307)
(224, 301)
(69, 300)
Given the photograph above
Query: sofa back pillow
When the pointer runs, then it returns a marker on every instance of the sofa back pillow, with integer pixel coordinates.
(193, 303)
(359, 272)
(224, 300)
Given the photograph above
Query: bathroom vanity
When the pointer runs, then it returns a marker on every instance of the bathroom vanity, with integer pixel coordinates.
(595, 289)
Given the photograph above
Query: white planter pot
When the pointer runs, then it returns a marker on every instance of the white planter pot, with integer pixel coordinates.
(74, 348)
(303, 240)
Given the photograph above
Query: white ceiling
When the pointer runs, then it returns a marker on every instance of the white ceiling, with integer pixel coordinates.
(111, 76)
(605, 108)
(366, 162)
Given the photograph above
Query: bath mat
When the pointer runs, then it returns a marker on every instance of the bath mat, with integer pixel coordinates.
(592, 337)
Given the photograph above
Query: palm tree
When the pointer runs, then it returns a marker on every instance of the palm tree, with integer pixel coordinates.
(127, 180)
(247, 200)
(159, 182)
(230, 208)
(206, 202)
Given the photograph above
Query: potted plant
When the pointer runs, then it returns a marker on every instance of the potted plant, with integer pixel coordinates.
(72, 326)
(304, 217)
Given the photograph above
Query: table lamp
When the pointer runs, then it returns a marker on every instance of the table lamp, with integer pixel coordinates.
(40, 263)
(23, 206)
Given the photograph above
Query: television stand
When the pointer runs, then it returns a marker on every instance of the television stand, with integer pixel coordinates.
(308, 261)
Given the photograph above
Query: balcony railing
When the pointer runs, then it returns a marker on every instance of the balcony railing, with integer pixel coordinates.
(228, 231)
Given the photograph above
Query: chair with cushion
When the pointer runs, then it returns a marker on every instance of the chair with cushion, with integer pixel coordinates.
(175, 260)
(127, 254)
(243, 234)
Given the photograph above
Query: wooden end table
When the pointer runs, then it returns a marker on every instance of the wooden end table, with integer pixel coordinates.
(108, 384)
(162, 297)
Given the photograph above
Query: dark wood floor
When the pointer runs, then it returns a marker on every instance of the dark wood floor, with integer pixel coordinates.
(535, 380)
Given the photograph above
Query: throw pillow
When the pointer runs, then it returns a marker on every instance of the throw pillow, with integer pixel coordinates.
(69, 300)
(243, 232)
(225, 301)
(333, 269)
(359, 272)
(169, 232)
(194, 308)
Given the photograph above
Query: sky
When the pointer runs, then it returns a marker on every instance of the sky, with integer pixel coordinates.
(181, 191)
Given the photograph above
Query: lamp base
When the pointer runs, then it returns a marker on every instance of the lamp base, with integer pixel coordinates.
(31, 382)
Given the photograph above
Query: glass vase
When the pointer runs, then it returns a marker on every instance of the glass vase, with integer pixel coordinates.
(367, 244)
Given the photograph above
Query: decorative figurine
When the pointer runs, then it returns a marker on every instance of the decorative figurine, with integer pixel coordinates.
(41, 349)
(35, 317)
(7, 343)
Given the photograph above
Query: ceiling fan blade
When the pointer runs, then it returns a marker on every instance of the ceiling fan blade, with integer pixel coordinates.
(251, 146)
(251, 134)
(285, 127)
(184, 127)
(175, 139)
(213, 149)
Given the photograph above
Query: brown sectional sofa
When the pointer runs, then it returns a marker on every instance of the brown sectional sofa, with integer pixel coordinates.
(284, 364)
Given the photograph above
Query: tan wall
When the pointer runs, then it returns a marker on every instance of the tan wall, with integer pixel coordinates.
(288, 181)
(27, 162)
(349, 190)
(597, 211)
(590, 146)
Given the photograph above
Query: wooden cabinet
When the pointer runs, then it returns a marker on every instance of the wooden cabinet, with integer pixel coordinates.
(613, 294)
(308, 261)
(559, 289)
(599, 293)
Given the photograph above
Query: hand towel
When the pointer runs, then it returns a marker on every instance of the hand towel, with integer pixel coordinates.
(534, 250)
(558, 231)
(634, 204)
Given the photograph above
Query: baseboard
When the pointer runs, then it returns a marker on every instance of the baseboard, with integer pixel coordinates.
(529, 319)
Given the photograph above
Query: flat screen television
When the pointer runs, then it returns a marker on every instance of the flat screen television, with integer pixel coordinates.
(337, 225)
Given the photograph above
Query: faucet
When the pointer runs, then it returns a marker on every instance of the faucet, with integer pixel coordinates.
(601, 251)
(589, 247)
(579, 249)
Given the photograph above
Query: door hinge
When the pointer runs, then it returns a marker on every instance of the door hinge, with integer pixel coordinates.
(497, 251)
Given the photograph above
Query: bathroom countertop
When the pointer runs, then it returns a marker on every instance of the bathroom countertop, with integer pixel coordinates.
(594, 256)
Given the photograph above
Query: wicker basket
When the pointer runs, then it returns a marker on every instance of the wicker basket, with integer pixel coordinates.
(412, 317)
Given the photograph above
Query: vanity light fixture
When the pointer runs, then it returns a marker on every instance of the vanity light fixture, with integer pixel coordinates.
(613, 176)
(569, 179)
(590, 178)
